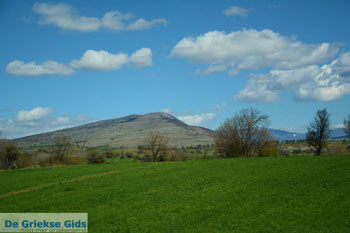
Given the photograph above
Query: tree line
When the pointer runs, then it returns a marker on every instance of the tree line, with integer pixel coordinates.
(245, 134)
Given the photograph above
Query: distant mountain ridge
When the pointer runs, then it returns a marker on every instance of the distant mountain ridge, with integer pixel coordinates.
(282, 135)
(129, 131)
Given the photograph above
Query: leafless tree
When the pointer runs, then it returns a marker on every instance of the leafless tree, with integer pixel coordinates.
(318, 131)
(263, 138)
(347, 125)
(61, 147)
(246, 130)
(81, 143)
(156, 142)
(227, 141)
(249, 122)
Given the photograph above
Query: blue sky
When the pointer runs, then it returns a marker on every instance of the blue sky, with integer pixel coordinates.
(65, 63)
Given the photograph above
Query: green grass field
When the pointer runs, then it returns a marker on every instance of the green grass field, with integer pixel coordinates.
(272, 194)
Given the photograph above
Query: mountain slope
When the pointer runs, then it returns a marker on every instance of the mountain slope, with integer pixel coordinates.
(127, 131)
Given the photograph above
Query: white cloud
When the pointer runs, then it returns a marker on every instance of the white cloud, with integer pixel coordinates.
(34, 114)
(93, 60)
(251, 49)
(336, 126)
(219, 107)
(212, 69)
(114, 20)
(310, 83)
(143, 24)
(197, 119)
(17, 67)
(167, 110)
(235, 10)
(142, 58)
(65, 17)
(38, 120)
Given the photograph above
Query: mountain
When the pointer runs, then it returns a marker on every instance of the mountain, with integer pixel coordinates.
(338, 133)
(282, 135)
(127, 131)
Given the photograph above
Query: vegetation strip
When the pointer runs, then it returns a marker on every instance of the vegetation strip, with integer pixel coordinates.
(68, 181)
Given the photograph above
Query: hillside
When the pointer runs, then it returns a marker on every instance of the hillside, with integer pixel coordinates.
(127, 131)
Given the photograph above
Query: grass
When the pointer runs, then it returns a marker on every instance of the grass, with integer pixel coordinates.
(272, 194)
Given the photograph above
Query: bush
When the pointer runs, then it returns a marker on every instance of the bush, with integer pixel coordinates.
(296, 151)
(179, 156)
(126, 155)
(93, 156)
(76, 160)
(111, 154)
(146, 158)
(27, 160)
(9, 156)
(163, 157)
(283, 152)
(269, 150)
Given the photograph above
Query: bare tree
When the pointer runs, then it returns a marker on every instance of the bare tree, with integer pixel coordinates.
(249, 122)
(81, 143)
(60, 148)
(347, 125)
(227, 141)
(156, 142)
(262, 139)
(318, 131)
(243, 134)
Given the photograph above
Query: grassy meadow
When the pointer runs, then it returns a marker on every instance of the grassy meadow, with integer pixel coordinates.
(270, 194)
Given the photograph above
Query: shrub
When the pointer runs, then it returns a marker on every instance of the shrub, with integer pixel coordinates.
(111, 154)
(93, 156)
(27, 160)
(271, 149)
(283, 152)
(74, 160)
(179, 156)
(9, 156)
(61, 148)
(163, 157)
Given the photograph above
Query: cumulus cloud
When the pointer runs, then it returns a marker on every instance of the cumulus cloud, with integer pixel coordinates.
(212, 69)
(251, 49)
(20, 68)
(235, 10)
(34, 114)
(143, 24)
(190, 118)
(115, 20)
(310, 83)
(65, 17)
(167, 110)
(93, 60)
(141, 58)
(38, 120)
(197, 119)
(100, 61)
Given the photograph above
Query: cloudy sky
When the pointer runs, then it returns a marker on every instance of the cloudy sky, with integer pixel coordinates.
(66, 63)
